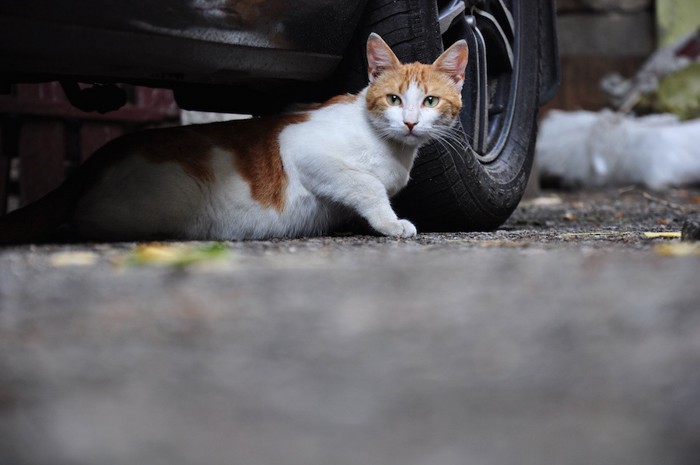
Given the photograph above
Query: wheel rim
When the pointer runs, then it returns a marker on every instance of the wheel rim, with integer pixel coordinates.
(490, 29)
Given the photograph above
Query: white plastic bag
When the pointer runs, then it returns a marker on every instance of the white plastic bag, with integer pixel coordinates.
(596, 149)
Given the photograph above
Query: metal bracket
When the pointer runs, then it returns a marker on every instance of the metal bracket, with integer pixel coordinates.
(100, 97)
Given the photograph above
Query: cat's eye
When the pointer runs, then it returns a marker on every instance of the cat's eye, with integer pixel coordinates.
(393, 100)
(431, 101)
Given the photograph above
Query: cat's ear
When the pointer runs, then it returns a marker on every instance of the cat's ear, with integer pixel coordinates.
(453, 62)
(379, 57)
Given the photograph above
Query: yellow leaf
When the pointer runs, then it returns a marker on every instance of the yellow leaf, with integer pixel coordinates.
(597, 233)
(648, 235)
(678, 249)
(73, 259)
(175, 254)
(541, 202)
(665, 235)
(156, 253)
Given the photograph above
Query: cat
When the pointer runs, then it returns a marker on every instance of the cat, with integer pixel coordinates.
(288, 175)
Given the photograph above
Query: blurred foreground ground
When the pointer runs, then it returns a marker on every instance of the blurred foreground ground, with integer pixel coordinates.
(570, 336)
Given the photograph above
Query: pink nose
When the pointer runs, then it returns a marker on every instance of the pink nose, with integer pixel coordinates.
(410, 126)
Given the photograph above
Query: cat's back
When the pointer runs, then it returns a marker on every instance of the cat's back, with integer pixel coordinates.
(219, 180)
(144, 185)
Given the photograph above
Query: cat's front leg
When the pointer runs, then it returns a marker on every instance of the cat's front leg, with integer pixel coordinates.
(366, 195)
(374, 206)
(398, 228)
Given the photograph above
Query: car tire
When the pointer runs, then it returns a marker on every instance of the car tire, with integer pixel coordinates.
(453, 187)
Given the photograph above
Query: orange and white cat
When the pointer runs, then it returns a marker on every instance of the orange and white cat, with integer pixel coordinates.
(290, 175)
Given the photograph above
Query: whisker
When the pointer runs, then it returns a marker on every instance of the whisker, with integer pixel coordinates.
(450, 139)
(447, 144)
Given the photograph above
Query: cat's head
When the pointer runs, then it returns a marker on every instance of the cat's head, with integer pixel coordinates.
(413, 103)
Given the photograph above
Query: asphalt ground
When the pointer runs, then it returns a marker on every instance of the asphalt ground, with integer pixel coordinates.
(571, 335)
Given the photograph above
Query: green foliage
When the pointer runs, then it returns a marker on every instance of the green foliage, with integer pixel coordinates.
(678, 93)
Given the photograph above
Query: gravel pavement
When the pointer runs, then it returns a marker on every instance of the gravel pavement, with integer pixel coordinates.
(569, 336)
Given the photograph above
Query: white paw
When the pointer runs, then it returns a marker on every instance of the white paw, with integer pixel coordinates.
(400, 228)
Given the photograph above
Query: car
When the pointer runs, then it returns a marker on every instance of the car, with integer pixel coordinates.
(259, 56)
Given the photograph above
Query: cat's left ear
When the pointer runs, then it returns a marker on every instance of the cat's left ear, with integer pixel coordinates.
(379, 57)
(453, 62)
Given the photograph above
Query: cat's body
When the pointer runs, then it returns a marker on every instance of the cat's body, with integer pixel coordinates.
(323, 162)
(298, 174)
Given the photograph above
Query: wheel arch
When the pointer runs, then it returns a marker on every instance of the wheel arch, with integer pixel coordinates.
(550, 67)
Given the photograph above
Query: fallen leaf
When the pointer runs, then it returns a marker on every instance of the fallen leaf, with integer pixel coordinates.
(665, 235)
(648, 235)
(678, 249)
(598, 233)
(177, 255)
(73, 259)
(544, 201)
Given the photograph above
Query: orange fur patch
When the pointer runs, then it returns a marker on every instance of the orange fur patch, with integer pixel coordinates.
(427, 77)
(183, 146)
(254, 144)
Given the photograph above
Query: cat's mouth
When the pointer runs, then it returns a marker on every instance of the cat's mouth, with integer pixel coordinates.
(413, 136)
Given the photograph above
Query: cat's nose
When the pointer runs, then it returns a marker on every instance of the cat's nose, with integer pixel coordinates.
(410, 126)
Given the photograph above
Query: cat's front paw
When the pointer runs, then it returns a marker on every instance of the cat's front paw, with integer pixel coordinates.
(400, 228)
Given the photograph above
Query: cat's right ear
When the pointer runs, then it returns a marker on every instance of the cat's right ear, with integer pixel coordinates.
(453, 62)
(379, 57)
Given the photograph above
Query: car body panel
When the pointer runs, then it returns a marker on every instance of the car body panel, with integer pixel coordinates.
(195, 41)
(550, 67)
(218, 55)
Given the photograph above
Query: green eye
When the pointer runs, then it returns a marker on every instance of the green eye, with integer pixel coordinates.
(393, 100)
(431, 101)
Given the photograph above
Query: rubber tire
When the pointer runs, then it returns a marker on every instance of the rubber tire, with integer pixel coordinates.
(452, 191)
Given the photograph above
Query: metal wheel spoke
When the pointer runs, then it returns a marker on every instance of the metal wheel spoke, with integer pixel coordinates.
(489, 28)
(496, 37)
(479, 88)
(449, 14)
